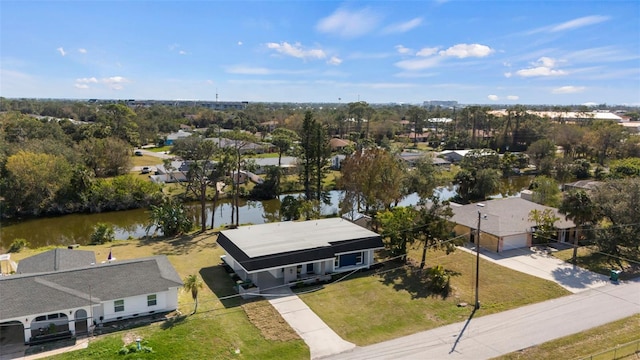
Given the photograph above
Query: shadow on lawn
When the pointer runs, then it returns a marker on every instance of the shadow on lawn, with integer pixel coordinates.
(170, 323)
(414, 281)
(218, 280)
(178, 245)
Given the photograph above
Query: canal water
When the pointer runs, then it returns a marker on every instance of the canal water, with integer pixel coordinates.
(77, 228)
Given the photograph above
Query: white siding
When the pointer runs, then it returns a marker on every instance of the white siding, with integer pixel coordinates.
(166, 300)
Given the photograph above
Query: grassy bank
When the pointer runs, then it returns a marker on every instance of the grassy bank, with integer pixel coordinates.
(221, 329)
(394, 300)
(586, 343)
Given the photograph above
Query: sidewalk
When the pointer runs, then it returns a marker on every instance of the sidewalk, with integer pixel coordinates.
(489, 336)
(320, 338)
(540, 263)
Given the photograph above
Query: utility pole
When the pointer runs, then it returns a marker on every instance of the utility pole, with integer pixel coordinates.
(477, 305)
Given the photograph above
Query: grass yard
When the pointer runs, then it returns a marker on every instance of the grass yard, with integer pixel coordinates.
(586, 343)
(145, 160)
(371, 307)
(216, 331)
(590, 259)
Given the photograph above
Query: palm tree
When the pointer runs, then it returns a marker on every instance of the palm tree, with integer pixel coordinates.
(193, 283)
(577, 207)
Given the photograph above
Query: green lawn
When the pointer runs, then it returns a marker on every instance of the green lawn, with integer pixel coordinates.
(145, 160)
(160, 149)
(587, 343)
(590, 259)
(369, 307)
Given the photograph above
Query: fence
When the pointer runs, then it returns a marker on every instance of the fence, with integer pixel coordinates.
(617, 352)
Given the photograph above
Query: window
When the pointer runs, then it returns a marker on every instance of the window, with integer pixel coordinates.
(118, 305)
(41, 318)
(151, 300)
(359, 258)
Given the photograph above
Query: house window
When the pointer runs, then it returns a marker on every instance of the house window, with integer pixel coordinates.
(359, 258)
(118, 305)
(151, 300)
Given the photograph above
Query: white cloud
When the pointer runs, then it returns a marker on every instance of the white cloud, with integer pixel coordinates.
(334, 61)
(61, 51)
(427, 51)
(579, 22)
(493, 97)
(82, 51)
(418, 64)
(402, 27)
(115, 82)
(462, 51)
(508, 74)
(243, 70)
(568, 90)
(403, 50)
(349, 23)
(87, 80)
(543, 67)
(182, 52)
(239, 43)
(81, 86)
(513, 97)
(297, 51)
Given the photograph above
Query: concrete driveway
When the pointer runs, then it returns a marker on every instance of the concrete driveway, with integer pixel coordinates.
(539, 262)
(320, 338)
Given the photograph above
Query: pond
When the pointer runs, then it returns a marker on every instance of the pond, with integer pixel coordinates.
(77, 228)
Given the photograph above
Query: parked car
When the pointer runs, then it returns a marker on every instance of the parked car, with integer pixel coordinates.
(138, 153)
(145, 170)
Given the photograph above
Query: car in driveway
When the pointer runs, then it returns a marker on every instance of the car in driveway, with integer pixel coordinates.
(137, 153)
(145, 170)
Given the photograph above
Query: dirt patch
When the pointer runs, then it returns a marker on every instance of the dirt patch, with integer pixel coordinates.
(129, 337)
(269, 321)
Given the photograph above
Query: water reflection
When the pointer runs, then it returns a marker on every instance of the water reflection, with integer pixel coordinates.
(77, 228)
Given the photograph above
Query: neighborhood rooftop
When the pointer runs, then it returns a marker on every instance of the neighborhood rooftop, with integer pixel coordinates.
(291, 236)
(26, 294)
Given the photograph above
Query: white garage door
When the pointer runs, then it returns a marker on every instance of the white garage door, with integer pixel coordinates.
(514, 242)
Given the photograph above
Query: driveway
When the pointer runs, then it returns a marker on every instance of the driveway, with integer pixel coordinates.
(540, 262)
(320, 338)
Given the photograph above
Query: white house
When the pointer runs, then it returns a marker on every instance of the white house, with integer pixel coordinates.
(285, 253)
(75, 299)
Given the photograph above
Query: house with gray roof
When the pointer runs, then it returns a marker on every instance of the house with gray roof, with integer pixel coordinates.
(56, 259)
(504, 223)
(284, 253)
(75, 299)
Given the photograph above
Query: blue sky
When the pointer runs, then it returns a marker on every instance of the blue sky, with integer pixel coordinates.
(505, 52)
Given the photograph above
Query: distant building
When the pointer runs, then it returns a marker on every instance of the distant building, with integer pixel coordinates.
(441, 103)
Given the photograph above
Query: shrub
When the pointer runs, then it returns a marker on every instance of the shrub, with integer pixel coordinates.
(17, 245)
(102, 233)
(438, 279)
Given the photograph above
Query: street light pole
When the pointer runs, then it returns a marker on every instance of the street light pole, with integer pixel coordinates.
(477, 305)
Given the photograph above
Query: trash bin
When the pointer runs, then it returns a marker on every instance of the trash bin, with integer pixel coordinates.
(615, 275)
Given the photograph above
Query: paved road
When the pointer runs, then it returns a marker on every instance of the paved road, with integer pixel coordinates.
(493, 335)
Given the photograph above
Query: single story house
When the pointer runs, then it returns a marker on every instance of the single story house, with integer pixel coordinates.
(586, 185)
(284, 253)
(76, 299)
(411, 157)
(338, 144)
(288, 164)
(504, 223)
(180, 134)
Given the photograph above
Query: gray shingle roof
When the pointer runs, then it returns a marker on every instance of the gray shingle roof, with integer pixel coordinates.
(56, 259)
(503, 217)
(28, 294)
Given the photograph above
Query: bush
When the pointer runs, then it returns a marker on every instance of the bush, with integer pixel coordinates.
(438, 279)
(102, 233)
(17, 245)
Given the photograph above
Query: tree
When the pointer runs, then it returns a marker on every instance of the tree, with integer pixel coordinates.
(170, 217)
(422, 178)
(545, 220)
(545, 191)
(33, 182)
(193, 284)
(102, 233)
(106, 157)
(283, 139)
(121, 120)
(605, 136)
(240, 141)
(417, 116)
(478, 184)
(397, 226)
(577, 207)
(372, 177)
(618, 212)
(540, 150)
(433, 227)
(629, 167)
(199, 153)
(315, 154)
